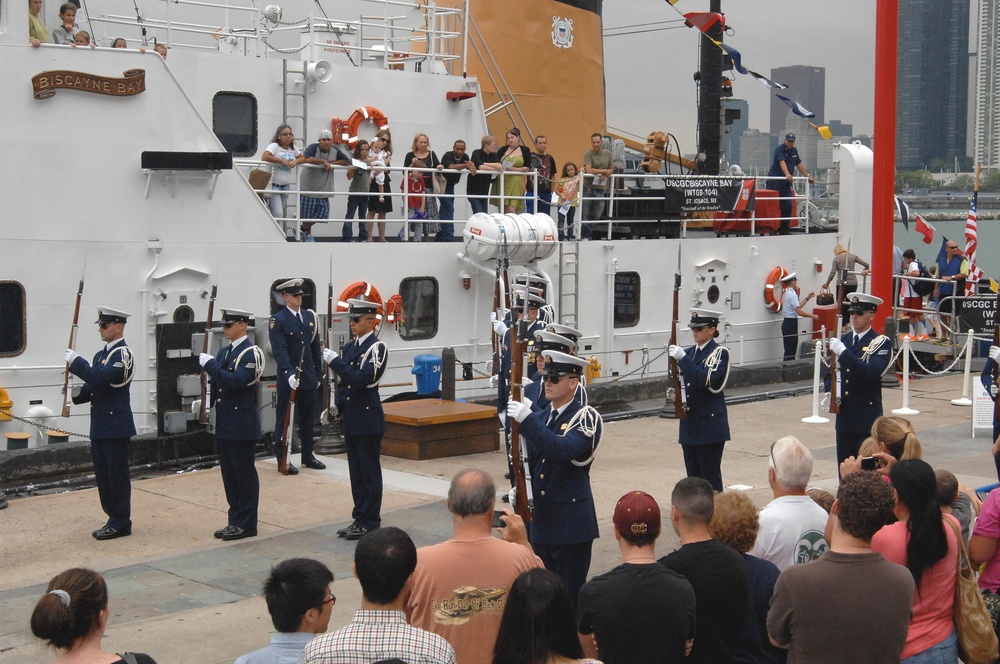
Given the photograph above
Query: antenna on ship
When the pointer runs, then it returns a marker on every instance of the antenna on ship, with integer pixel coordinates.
(138, 19)
(336, 30)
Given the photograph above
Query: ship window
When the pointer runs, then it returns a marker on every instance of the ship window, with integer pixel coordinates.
(308, 295)
(626, 299)
(12, 318)
(234, 121)
(420, 308)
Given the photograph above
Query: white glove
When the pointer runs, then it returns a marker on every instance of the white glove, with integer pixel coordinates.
(329, 355)
(824, 405)
(71, 355)
(837, 346)
(518, 411)
(328, 415)
(293, 382)
(995, 353)
(494, 380)
(196, 406)
(676, 352)
(498, 325)
(503, 419)
(203, 358)
(526, 401)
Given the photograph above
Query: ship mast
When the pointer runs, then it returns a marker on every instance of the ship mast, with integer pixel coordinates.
(709, 79)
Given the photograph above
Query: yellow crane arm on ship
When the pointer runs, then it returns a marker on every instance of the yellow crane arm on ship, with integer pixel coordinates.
(655, 151)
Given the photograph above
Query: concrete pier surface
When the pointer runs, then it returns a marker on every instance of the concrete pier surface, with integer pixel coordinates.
(182, 596)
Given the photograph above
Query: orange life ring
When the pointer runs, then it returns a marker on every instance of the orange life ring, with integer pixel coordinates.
(365, 290)
(361, 114)
(394, 309)
(771, 301)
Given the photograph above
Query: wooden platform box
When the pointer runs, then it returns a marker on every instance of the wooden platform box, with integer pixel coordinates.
(432, 428)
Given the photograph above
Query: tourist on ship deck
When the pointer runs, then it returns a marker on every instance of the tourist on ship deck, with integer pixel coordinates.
(318, 180)
(38, 34)
(911, 300)
(567, 188)
(486, 167)
(514, 158)
(791, 309)
(380, 201)
(844, 260)
(66, 31)
(953, 270)
(72, 617)
(544, 165)
(360, 176)
(283, 153)
(421, 149)
(598, 163)
(786, 159)
(454, 162)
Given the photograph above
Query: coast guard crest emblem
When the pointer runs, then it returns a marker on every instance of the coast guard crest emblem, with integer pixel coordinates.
(562, 32)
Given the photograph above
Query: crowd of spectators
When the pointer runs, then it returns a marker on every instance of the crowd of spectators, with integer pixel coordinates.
(68, 32)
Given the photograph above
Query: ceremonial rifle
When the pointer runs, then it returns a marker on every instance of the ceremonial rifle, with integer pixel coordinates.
(328, 388)
(66, 391)
(680, 394)
(522, 499)
(206, 345)
(286, 436)
(835, 334)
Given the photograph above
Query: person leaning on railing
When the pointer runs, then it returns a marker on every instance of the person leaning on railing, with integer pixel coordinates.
(843, 259)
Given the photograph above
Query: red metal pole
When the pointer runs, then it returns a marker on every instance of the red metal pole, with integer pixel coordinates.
(884, 178)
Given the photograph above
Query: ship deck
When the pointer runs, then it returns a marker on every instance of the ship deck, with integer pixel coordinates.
(180, 595)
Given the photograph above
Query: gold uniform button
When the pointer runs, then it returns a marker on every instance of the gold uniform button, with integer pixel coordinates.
(543, 492)
(542, 476)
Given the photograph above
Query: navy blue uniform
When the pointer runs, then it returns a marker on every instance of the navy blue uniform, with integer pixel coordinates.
(106, 387)
(986, 378)
(360, 368)
(705, 430)
(789, 155)
(564, 522)
(535, 393)
(861, 367)
(288, 335)
(234, 373)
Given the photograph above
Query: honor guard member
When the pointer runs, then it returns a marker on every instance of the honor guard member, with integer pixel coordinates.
(545, 340)
(106, 387)
(862, 358)
(704, 369)
(986, 378)
(290, 331)
(561, 441)
(235, 372)
(361, 369)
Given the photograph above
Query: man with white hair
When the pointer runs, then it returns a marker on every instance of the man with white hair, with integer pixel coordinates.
(791, 525)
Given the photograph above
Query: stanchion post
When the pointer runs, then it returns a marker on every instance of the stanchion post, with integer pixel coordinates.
(906, 410)
(965, 400)
(816, 418)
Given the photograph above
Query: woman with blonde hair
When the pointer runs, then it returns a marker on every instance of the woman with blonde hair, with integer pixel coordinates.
(843, 259)
(72, 616)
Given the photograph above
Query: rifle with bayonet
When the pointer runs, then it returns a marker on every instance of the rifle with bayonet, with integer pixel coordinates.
(517, 332)
(205, 346)
(286, 426)
(680, 393)
(66, 390)
(835, 334)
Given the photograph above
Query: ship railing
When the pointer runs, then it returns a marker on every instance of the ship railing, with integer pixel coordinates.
(946, 323)
(390, 40)
(399, 191)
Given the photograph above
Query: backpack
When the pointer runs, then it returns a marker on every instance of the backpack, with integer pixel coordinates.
(923, 288)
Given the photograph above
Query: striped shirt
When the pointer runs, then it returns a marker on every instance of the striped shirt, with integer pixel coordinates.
(376, 635)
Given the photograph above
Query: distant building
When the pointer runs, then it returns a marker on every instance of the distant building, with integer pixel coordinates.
(986, 125)
(838, 128)
(756, 150)
(734, 130)
(806, 85)
(932, 81)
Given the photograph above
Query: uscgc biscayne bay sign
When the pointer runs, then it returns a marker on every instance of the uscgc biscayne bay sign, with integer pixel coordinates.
(132, 82)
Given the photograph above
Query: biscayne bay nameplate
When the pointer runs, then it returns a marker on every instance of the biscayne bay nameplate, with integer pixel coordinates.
(132, 82)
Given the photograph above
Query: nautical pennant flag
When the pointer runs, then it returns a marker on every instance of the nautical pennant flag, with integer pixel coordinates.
(925, 229)
(903, 210)
(767, 82)
(797, 108)
(735, 56)
(703, 20)
(905, 214)
(971, 244)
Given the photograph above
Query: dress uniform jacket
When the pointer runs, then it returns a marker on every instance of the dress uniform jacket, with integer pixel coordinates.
(287, 335)
(535, 393)
(861, 367)
(564, 503)
(530, 369)
(234, 395)
(106, 387)
(707, 420)
(358, 398)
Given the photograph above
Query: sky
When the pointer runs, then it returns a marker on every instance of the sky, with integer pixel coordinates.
(648, 76)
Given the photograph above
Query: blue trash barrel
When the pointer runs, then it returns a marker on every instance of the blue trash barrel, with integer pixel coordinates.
(427, 369)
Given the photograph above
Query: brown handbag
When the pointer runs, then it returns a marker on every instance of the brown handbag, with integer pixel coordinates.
(977, 641)
(259, 179)
(824, 298)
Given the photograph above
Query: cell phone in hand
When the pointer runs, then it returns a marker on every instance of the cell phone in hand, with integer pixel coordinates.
(869, 463)
(497, 523)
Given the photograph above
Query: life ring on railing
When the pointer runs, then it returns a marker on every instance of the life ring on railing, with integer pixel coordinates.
(772, 302)
(361, 114)
(364, 290)
(394, 309)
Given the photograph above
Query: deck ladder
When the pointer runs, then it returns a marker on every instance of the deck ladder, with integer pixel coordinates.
(294, 84)
(569, 283)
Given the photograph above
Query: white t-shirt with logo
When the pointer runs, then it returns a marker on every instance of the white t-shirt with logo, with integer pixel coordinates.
(791, 531)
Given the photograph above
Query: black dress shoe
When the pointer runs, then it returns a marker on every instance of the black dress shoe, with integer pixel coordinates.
(236, 533)
(292, 470)
(107, 532)
(315, 464)
(344, 531)
(218, 533)
(355, 532)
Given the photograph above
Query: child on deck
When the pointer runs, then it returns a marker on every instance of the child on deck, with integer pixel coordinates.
(567, 189)
(416, 200)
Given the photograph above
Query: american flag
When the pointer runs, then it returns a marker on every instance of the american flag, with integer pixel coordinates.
(971, 242)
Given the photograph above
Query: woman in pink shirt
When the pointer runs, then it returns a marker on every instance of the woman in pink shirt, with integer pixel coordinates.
(927, 545)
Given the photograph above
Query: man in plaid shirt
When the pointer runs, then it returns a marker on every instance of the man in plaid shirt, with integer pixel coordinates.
(383, 562)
